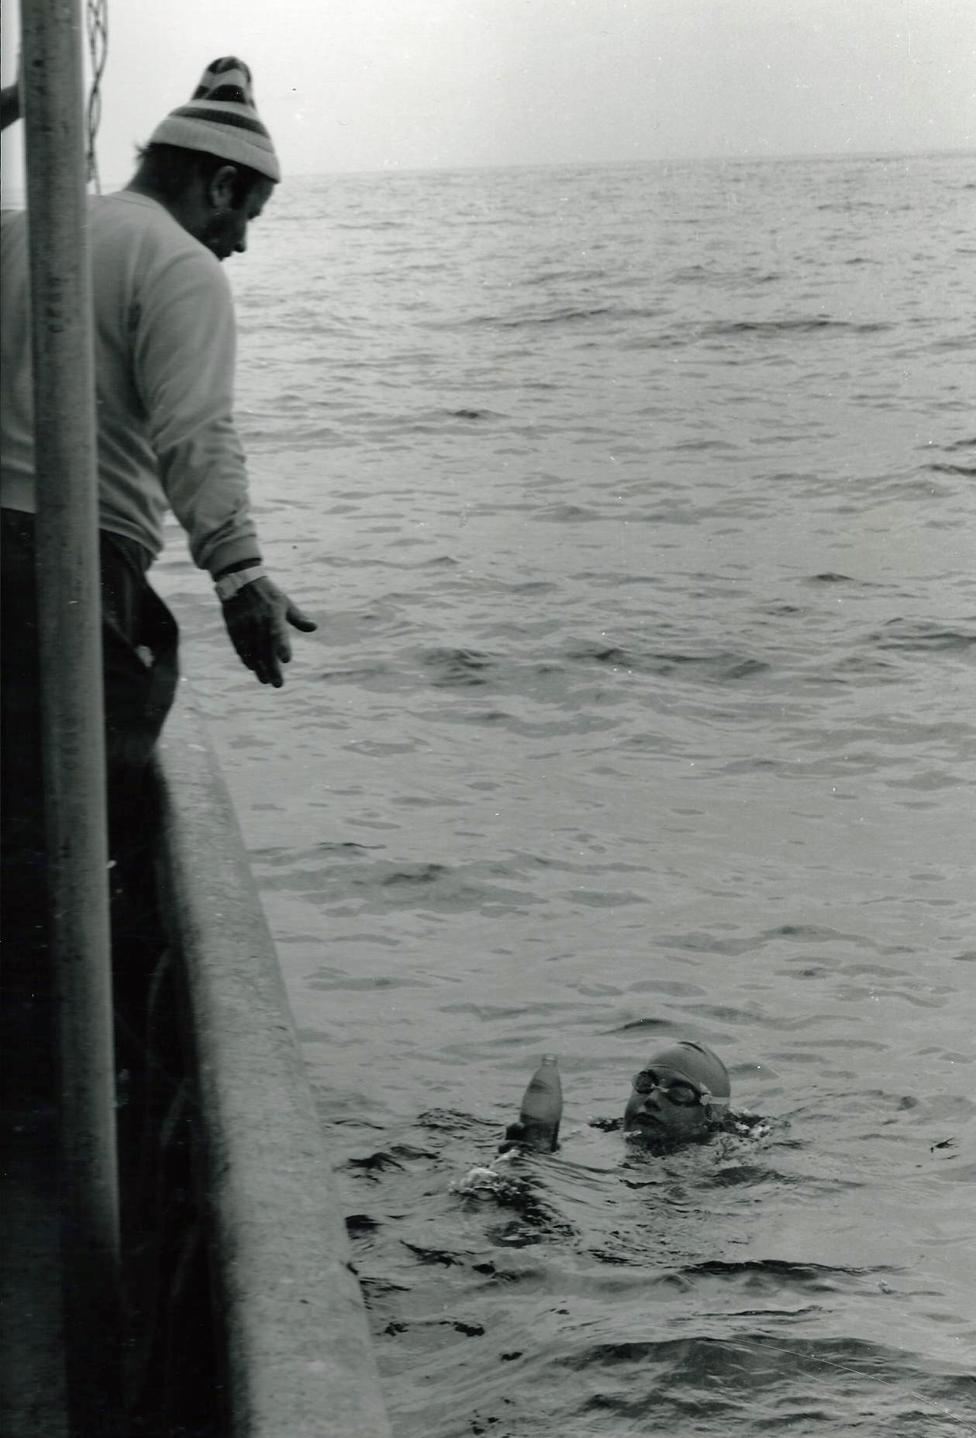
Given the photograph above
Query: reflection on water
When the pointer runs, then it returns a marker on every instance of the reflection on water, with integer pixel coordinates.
(636, 506)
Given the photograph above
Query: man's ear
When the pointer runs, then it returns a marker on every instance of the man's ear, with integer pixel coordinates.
(222, 187)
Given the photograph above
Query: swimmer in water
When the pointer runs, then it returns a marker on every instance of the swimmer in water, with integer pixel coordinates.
(681, 1096)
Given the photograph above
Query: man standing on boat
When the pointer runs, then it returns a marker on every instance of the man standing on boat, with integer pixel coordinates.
(164, 372)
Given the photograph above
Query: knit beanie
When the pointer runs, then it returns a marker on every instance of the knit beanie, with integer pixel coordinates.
(221, 119)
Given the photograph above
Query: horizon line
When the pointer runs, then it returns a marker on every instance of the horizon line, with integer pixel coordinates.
(18, 194)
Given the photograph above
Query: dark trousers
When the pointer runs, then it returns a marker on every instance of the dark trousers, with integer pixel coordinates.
(140, 640)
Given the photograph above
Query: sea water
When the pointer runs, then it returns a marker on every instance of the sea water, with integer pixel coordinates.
(636, 506)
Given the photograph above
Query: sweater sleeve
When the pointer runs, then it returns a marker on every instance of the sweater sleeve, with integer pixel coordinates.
(184, 351)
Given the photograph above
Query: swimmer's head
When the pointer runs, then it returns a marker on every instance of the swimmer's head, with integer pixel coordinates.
(680, 1093)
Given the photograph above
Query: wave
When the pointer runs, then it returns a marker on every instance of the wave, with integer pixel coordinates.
(922, 635)
(457, 667)
(968, 471)
(720, 666)
(813, 324)
(568, 314)
(768, 1381)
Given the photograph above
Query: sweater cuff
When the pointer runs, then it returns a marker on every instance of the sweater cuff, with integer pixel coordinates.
(236, 554)
(253, 561)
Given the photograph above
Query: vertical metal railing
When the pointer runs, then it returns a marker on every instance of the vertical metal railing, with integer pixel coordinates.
(71, 668)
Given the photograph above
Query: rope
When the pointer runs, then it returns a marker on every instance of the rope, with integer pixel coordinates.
(96, 24)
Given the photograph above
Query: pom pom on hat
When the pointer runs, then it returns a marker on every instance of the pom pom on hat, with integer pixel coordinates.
(221, 119)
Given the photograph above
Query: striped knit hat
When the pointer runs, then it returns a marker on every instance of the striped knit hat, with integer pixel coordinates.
(221, 119)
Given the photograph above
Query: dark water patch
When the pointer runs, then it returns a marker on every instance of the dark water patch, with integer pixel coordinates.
(692, 274)
(600, 653)
(719, 668)
(424, 886)
(952, 346)
(457, 668)
(769, 1380)
(644, 1025)
(493, 1275)
(818, 324)
(769, 1275)
(376, 1288)
(813, 934)
(619, 581)
(339, 849)
(923, 636)
(373, 225)
(563, 514)
(866, 667)
(360, 1225)
(417, 874)
(944, 1143)
(452, 1121)
(967, 471)
(373, 1164)
(474, 414)
(829, 577)
(701, 445)
(564, 315)
(604, 898)
(701, 942)
(469, 1330)
(330, 980)
(533, 586)
(440, 1256)
(547, 277)
(754, 1176)
(712, 275)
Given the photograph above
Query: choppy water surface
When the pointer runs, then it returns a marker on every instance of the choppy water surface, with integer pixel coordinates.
(637, 507)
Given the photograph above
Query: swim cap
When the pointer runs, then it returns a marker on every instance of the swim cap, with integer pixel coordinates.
(697, 1063)
(221, 119)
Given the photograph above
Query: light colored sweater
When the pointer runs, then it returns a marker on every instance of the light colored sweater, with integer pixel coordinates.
(164, 366)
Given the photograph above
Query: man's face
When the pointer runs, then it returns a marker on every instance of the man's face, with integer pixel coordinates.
(224, 231)
(664, 1105)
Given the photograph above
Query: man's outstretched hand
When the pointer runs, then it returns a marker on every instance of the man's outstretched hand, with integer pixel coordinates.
(257, 619)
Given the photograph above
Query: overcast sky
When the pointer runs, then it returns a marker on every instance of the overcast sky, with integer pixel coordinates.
(409, 84)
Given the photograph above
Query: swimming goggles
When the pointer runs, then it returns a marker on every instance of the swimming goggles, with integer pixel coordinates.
(677, 1091)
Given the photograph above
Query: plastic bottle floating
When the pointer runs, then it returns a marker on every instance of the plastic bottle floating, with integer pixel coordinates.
(542, 1108)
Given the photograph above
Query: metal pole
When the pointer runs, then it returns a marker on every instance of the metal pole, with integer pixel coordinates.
(71, 700)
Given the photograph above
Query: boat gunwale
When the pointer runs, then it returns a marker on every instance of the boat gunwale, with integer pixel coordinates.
(295, 1332)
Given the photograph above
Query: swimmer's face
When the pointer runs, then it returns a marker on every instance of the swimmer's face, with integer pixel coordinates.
(664, 1104)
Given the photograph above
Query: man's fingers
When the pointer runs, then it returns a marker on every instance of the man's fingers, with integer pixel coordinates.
(255, 646)
(282, 644)
(299, 619)
(257, 619)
